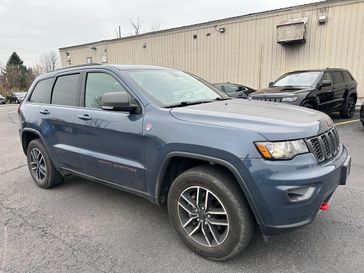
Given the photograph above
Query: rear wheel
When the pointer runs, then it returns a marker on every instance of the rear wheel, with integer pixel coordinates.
(40, 166)
(349, 108)
(209, 213)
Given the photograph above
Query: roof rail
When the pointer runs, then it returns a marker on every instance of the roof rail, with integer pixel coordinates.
(76, 66)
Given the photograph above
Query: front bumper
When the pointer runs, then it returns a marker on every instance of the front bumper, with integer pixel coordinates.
(272, 180)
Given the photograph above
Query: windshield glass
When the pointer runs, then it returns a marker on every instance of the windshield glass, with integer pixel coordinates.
(172, 87)
(299, 79)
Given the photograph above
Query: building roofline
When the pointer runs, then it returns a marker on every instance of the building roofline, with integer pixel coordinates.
(218, 21)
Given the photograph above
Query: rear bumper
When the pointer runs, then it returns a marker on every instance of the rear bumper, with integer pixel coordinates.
(273, 180)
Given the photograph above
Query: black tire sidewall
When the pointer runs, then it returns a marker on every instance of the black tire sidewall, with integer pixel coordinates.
(345, 113)
(308, 105)
(47, 182)
(234, 208)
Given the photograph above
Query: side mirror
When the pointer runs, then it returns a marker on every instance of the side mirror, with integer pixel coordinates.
(325, 83)
(118, 101)
(270, 84)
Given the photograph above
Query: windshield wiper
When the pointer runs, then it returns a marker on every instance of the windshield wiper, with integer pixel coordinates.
(186, 103)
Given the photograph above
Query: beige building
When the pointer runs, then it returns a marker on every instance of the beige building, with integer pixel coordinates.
(252, 49)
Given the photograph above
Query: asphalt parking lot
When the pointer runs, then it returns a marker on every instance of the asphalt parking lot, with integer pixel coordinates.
(83, 226)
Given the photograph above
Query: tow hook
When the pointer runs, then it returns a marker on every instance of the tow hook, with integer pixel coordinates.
(324, 206)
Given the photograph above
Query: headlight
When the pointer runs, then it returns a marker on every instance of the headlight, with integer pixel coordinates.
(281, 150)
(289, 99)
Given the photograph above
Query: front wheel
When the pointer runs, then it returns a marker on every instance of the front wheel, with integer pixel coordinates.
(307, 105)
(209, 213)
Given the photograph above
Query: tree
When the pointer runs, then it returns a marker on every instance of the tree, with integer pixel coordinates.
(49, 61)
(136, 25)
(156, 27)
(32, 73)
(14, 75)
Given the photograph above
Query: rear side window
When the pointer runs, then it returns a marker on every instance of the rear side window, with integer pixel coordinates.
(337, 77)
(42, 91)
(98, 84)
(65, 90)
(347, 76)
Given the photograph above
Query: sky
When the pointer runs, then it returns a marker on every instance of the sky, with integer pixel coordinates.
(31, 27)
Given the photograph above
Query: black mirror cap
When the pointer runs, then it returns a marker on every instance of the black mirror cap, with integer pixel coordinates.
(118, 101)
(325, 83)
(270, 84)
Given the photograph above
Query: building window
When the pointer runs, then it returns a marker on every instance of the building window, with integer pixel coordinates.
(89, 60)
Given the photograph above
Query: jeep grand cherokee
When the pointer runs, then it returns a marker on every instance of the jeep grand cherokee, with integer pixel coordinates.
(221, 165)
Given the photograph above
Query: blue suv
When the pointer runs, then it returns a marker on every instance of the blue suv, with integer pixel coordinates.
(221, 165)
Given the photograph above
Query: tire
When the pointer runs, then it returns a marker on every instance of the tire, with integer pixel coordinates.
(307, 105)
(349, 108)
(41, 167)
(229, 240)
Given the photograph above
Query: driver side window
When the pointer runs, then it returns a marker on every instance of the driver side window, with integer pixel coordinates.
(97, 84)
(327, 76)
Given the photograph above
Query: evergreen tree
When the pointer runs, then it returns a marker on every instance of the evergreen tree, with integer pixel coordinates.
(15, 73)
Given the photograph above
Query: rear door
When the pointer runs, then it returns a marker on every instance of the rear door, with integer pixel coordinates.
(57, 120)
(339, 89)
(111, 142)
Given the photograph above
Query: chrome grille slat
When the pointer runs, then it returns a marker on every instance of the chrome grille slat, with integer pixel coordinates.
(325, 146)
(272, 99)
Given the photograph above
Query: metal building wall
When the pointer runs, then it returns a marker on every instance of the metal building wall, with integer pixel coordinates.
(247, 52)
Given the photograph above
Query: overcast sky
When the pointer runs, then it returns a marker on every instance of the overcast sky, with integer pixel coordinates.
(31, 27)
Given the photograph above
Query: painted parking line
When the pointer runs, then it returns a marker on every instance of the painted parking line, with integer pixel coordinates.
(347, 122)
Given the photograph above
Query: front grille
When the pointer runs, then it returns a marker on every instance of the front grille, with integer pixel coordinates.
(262, 98)
(325, 146)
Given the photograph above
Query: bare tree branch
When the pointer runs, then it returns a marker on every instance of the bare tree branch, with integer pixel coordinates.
(49, 61)
(136, 25)
(156, 27)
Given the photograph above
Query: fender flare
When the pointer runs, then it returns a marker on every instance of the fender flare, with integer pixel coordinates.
(313, 99)
(215, 160)
(31, 130)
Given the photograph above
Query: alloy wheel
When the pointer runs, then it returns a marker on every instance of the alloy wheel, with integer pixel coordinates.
(38, 164)
(203, 216)
(351, 107)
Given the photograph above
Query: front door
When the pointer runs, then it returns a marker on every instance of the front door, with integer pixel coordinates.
(326, 94)
(111, 142)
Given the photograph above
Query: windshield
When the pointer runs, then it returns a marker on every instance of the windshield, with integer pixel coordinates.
(299, 79)
(172, 87)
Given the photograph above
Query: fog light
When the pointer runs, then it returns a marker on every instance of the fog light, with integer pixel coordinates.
(300, 194)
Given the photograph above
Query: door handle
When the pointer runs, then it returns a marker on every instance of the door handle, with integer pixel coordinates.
(84, 117)
(45, 112)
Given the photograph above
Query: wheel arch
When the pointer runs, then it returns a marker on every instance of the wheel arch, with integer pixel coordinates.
(27, 136)
(312, 101)
(164, 182)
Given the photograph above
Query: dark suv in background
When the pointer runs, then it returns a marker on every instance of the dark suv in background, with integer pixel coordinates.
(328, 90)
(221, 165)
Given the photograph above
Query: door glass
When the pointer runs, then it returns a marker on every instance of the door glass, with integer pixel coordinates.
(230, 88)
(337, 77)
(98, 84)
(347, 77)
(42, 92)
(65, 90)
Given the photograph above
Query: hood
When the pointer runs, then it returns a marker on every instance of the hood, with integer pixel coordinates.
(275, 121)
(284, 90)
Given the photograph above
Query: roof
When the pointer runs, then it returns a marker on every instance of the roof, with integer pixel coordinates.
(214, 22)
(97, 65)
